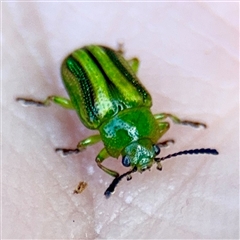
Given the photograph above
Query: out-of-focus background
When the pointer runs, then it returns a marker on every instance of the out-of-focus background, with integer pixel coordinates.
(189, 57)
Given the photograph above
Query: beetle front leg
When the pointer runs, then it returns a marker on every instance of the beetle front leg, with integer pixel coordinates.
(166, 143)
(100, 158)
(162, 116)
(63, 102)
(81, 145)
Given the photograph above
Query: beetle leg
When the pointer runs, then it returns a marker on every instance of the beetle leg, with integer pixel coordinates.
(163, 127)
(81, 145)
(165, 143)
(63, 102)
(89, 141)
(159, 166)
(67, 151)
(120, 48)
(100, 158)
(134, 64)
(162, 116)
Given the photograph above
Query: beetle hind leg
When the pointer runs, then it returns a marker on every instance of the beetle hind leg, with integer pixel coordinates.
(134, 64)
(120, 48)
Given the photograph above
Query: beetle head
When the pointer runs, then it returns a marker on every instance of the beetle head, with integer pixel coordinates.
(140, 154)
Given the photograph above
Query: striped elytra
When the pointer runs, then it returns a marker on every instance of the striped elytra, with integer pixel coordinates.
(100, 83)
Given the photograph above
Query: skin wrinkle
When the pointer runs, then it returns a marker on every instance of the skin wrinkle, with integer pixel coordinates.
(211, 40)
(208, 36)
(52, 176)
(178, 190)
(219, 17)
(130, 206)
(27, 221)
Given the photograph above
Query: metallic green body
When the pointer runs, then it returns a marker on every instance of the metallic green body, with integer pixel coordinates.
(107, 95)
(100, 84)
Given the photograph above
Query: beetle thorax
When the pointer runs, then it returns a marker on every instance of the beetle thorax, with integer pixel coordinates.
(127, 128)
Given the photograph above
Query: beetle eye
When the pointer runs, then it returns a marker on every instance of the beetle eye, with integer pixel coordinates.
(156, 149)
(126, 161)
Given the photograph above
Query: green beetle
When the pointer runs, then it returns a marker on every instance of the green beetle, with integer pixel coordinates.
(107, 95)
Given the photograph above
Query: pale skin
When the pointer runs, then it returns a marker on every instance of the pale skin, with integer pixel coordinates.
(190, 69)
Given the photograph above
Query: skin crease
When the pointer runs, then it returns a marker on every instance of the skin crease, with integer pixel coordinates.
(189, 63)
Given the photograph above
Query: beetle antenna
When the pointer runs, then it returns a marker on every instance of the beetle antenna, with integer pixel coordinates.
(192, 151)
(115, 182)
